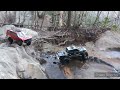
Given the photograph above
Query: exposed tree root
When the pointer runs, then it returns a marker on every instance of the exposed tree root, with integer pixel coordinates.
(68, 36)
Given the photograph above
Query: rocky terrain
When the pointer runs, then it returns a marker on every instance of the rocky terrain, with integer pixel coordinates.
(15, 63)
(36, 61)
(102, 49)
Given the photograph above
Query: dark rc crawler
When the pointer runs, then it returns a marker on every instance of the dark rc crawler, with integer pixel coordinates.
(72, 53)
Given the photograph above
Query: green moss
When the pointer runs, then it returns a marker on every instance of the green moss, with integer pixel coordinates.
(105, 22)
(114, 27)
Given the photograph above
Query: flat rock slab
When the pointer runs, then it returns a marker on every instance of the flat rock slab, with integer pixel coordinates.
(15, 60)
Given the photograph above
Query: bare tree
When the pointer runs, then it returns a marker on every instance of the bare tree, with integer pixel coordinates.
(108, 14)
(81, 18)
(35, 13)
(19, 18)
(53, 18)
(69, 19)
(6, 16)
(118, 17)
(24, 16)
(97, 18)
(14, 15)
(61, 18)
(42, 21)
(40, 15)
(32, 18)
(78, 21)
(74, 23)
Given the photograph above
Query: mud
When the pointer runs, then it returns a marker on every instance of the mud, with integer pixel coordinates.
(52, 70)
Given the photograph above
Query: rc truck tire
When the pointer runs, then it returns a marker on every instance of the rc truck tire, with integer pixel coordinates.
(10, 40)
(85, 56)
(65, 61)
(19, 43)
(28, 42)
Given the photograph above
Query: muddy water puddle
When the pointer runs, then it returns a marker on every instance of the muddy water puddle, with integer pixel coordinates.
(52, 70)
(113, 54)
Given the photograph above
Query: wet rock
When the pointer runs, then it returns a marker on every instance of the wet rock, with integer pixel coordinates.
(30, 72)
(41, 60)
(109, 39)
(15, 63)
(20, 71)
(34, 71)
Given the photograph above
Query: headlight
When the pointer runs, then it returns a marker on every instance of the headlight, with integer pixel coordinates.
(84, 49)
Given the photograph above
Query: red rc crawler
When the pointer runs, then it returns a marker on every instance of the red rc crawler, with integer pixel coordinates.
(19, 37)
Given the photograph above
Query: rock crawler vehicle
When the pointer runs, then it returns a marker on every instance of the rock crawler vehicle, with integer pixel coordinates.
(72, 53)
(19, 37)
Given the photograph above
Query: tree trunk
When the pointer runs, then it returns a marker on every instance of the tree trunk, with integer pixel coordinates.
(14, 16)
(78, 21)
(24, 15)
(19, 18)
(118, 17)
(107, 18)
(53, 18)
(43, 20)
(69, 19)
(32, 17)
(81, 18)
(97, 18)
(35, 14)
(61, 19)
(6, 17)
(108, 14)
(75, 19)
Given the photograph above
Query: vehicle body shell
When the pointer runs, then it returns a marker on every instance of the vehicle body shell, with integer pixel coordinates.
(18, 36)
(72, 53)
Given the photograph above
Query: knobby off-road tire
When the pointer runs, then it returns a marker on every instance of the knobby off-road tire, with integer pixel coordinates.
(65, 61)
(20, 42)
(10, 40)
(28, 42)
(85, 56)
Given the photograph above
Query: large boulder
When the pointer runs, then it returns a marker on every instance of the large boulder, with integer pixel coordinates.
(15, 63)
(109, 39)
(93, 71)
(4, 29)
(27, 31)
(89, 70)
